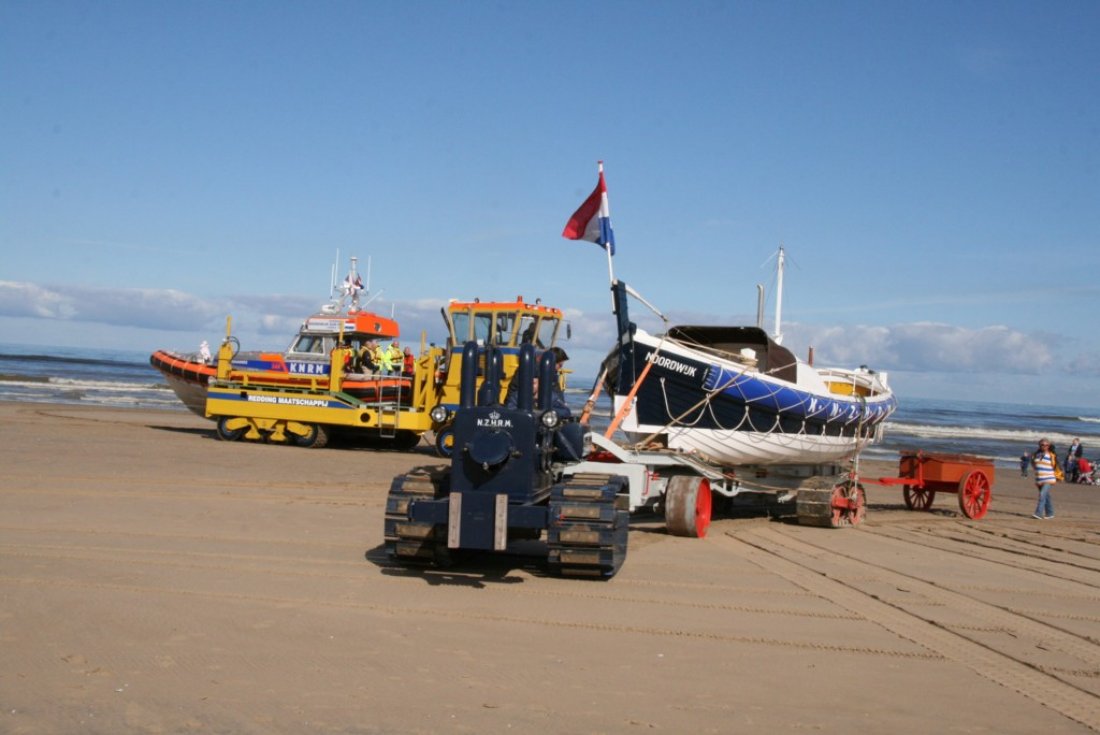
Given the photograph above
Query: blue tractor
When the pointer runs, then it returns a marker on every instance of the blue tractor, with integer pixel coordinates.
(508, 479)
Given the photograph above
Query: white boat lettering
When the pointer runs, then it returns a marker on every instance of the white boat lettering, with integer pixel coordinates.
(494, 423)
(307, 368)
(289, 401)
(669, 364)
(324, 325)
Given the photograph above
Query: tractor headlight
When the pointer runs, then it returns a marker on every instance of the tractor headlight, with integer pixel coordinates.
(439, 414)
(550, 419)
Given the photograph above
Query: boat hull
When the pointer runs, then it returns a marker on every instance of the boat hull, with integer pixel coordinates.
(735, 415)
(188, 377)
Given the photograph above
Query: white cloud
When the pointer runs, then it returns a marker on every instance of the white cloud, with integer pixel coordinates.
(924, 346)
(131, 307)
(915, 347)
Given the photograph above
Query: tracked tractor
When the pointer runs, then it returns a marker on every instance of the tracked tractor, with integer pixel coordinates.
(508, 479)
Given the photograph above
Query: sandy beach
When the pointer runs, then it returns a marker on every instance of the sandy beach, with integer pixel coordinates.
(156, 580)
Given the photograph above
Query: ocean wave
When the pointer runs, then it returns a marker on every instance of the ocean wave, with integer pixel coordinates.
(106, 385)
(1015, 436)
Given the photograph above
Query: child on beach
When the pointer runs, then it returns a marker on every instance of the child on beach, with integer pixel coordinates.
(1025, 462)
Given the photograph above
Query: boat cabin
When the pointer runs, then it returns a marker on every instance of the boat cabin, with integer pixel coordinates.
(749, 346)
(319, 334)
(502, 323)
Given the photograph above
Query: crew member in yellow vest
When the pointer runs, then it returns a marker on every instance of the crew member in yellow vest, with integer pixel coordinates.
(392, 359)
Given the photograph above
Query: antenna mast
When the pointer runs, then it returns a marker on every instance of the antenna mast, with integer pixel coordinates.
(779, 298)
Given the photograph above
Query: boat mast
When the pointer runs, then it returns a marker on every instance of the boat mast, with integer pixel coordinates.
(779, 298)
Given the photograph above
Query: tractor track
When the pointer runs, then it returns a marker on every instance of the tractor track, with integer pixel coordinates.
(839, 577)
(1036, 561)
(1022, 543)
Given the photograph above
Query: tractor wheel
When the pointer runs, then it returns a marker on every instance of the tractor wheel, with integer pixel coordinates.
(445, 442)
(315, 436)
(404, 440)
(231, 429)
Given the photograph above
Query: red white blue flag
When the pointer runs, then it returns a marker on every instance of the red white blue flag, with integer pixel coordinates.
(592, 220)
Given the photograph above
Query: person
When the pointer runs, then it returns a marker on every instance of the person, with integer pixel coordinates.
(1072, 455)
(1084, 471)
(569, 441)
(1025, 462)
(1046, 467)
(204, 352)
(367, 363)
(409, 362)
(392, 359)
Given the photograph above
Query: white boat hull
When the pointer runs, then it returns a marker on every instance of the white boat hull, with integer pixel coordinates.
(731, 448)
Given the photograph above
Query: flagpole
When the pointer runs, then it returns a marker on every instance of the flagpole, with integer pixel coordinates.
(607, 247)
(610, 277)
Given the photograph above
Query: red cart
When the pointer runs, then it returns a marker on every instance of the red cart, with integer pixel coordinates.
(923, 475)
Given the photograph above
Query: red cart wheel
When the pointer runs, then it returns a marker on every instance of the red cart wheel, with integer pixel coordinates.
(975, 492)
(918, 498)
(849, 505)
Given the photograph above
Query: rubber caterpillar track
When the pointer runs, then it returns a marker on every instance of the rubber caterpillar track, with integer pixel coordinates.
(411, 542)
(587, 534)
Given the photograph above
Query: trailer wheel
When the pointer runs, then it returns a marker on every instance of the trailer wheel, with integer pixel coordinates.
(227, 429)
(688, 506)
(918, 498)
(975, 492)
(315, 437)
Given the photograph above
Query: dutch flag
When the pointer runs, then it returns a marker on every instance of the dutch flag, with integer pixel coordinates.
(592, 220)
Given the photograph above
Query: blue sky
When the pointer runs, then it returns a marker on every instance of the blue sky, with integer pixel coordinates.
(932, 169)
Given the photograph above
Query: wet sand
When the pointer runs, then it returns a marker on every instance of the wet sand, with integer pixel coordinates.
(156, 580)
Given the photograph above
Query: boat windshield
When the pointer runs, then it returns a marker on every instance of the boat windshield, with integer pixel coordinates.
(311, 344)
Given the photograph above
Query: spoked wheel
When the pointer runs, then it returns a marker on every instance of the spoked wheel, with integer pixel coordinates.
(445, 442)
(842, 506)
(231, 429)
(688, 506)
(918, 498)
(975, 492)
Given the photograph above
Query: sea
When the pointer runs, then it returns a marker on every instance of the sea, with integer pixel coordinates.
(1002, 431)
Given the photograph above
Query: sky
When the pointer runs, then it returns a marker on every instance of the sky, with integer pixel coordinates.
(932, 170)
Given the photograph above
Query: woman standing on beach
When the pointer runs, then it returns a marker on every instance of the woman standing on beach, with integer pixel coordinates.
(1045, 462)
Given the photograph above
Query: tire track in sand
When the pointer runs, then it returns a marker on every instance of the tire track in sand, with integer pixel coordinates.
(776, 552)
